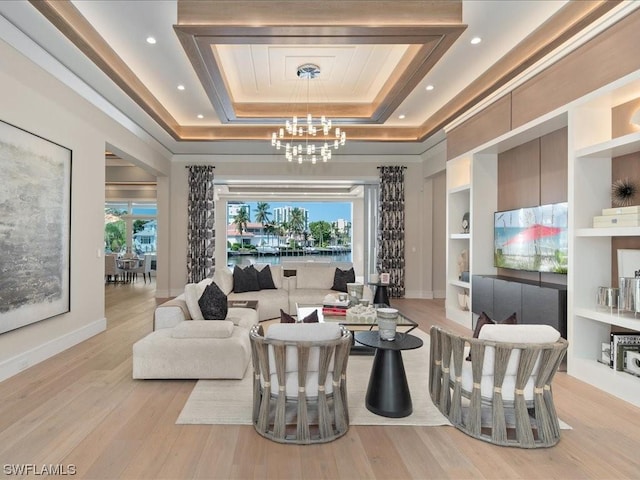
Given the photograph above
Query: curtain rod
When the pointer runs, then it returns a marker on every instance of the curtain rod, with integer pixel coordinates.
(187, 166)
(401, 166)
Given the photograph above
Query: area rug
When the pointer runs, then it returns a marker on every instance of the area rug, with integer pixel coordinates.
(214, 402)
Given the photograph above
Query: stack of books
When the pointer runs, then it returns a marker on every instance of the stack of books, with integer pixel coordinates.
(618, 217)
(335, 310)
(621, 343)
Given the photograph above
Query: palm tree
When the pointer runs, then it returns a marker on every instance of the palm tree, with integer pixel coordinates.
(297, 221)
(240, 220)
(336, 232)
(270, 229)
(262, 215)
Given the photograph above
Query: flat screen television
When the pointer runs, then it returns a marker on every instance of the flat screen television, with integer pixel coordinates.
(534, 239)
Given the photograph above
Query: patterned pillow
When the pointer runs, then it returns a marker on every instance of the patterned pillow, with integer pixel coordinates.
(245, 279)
(341, 278)
(213, 303)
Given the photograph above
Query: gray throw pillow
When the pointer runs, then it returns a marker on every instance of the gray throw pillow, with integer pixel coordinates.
(213, 303)
(245, 279)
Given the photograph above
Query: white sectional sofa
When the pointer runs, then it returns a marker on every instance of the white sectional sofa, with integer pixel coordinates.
(311, 283)
(183, 345)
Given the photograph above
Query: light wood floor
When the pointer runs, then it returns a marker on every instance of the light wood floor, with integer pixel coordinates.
(82, 408)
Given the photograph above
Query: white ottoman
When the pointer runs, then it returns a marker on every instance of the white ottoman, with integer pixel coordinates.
(196, 349)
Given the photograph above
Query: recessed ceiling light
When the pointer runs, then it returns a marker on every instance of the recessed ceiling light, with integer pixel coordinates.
(429, 87)
(200, 115)
(475, 40)
(151, 40)
(401, 117)
(180, 87)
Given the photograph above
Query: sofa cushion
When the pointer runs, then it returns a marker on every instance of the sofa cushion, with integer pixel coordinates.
(224, 279)
(202, 329)
(318, 332)
(484, 319)
(341, 278)
(528, 334)
(160, 355)
(265, 280)
(213, 303)
(520, 333)
(302, 332)
(192, 293)
(269, 302)
(314, 277)
(245, 279)
(242, 317)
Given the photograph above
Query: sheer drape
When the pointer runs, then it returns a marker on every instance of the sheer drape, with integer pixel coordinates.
(201, 240)
(391, 228)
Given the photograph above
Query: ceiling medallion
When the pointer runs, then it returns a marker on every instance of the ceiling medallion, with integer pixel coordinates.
(311, 139)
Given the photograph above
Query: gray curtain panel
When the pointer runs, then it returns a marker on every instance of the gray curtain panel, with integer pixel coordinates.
(201, 235)
(391, 228)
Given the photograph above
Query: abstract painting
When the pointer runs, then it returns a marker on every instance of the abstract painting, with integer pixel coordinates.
(35, 228)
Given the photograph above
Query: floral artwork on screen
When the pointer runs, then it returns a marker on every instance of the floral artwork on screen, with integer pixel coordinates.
(532, 238)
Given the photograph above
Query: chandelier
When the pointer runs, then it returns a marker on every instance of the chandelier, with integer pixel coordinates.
(312, 138)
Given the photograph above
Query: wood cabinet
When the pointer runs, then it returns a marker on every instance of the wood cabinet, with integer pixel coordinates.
(534, 303)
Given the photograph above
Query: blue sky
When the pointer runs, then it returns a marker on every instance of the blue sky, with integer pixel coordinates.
(328, 211)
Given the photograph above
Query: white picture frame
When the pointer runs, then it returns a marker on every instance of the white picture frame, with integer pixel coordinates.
(385, 278)
(628, 262)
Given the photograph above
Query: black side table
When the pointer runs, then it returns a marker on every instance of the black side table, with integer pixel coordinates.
(381, 295)
(388, 391)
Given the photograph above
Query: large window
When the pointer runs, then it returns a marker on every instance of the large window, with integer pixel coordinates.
(269, 231)
(130, 226)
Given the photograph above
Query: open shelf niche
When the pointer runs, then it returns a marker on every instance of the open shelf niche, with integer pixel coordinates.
(458, 203)
(592, 151)
(471, 187)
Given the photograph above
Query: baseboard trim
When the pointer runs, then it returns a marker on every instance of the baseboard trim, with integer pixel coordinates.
(439, 294)
(24, 360)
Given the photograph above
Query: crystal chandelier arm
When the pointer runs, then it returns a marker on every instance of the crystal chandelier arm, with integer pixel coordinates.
(307, 150)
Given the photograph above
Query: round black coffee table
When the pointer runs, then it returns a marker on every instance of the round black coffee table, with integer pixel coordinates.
(388, 391)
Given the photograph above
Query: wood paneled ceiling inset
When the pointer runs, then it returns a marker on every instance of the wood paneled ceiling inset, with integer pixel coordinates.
(426, 45)
(352, 22)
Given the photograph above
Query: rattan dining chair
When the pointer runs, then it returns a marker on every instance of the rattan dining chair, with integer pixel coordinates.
(501, 394)
(300, 382)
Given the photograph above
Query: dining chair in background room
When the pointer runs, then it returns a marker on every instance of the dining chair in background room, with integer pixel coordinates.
(112, 272)
(144, 269)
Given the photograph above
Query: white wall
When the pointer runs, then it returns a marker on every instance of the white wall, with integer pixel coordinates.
(439, 237)
(35, 101)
